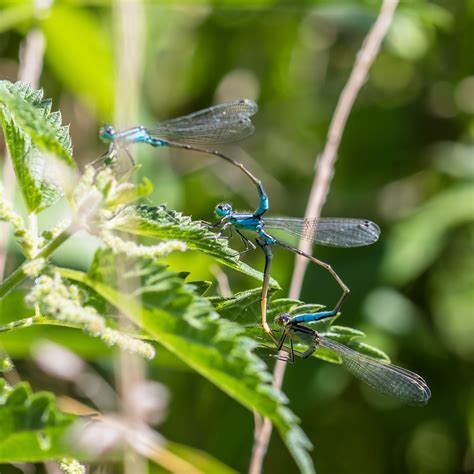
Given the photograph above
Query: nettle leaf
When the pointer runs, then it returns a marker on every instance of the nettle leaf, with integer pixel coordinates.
(32, 428)
(40, 147)
(244, 307)
(200, 287)
(162, 223)
(188, 326)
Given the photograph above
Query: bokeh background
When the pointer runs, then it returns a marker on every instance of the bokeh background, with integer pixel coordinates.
(406, 161)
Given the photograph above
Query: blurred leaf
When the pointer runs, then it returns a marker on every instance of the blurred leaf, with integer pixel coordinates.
(32, 428)
(35, 138)
(199, 459)
(454, 159)
(200, 287)
(452, 298)
(391, 311)
(417, 241)
(13, 307)
(162, 223)
(431, 15)
(188, 326)
(12, 16)
(407, 37)
(81, 55)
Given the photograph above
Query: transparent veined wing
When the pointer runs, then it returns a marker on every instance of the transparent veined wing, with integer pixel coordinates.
(386, 378)
(328, 231)
(222, 123)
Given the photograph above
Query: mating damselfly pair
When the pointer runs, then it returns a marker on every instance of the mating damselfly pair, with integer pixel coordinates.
(230, 122)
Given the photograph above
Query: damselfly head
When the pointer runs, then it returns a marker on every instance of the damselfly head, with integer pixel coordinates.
(223, 209)
(282, 319)
(107, 133)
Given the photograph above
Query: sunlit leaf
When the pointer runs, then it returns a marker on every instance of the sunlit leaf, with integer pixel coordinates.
(188, 326)
(81, 55)
(32, 428)
(38, 143)
(15, 15)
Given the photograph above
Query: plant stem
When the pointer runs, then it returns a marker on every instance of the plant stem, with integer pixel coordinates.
(320, 188)
(129, 35)
(15, 278)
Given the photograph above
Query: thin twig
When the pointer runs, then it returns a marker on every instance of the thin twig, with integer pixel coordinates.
(222, 281)
(321, 183)
(129, 25)
(18, 275)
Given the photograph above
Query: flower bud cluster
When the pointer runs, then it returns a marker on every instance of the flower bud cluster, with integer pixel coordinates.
(58, 229)
(7, 214)
(132, 249)
(72, 466)
(34, 267)
(100, 195)
(63, 303)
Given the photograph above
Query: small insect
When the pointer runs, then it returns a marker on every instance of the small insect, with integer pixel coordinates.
(333, 231)
(222, 123)
(386, 378)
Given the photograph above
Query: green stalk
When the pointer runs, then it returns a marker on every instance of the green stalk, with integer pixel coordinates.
(19, 275)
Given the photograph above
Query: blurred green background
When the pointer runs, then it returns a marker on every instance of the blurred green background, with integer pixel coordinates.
(406, 161)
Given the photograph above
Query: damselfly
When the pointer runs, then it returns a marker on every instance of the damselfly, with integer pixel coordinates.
(222, 123)
(334, 232)
(386, 378)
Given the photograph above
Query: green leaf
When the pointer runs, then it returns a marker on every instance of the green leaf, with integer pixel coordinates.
(81, 55)
(200, 287)
(13, 16)
(161, 223)
(417, 241)
(187, 325)
(199, 459)
(13, 307)
(244, 307)
(32, 428)
(35, 138)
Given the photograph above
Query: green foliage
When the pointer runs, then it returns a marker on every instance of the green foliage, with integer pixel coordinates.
(36, 139)
(32, 428)
(162, 304)
(14, 15)
(199, 459)
(419, 238)
(84, 66)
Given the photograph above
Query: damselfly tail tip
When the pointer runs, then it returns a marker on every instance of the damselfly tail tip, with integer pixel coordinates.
(423, 395)
(372, 229)
(250, 106)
